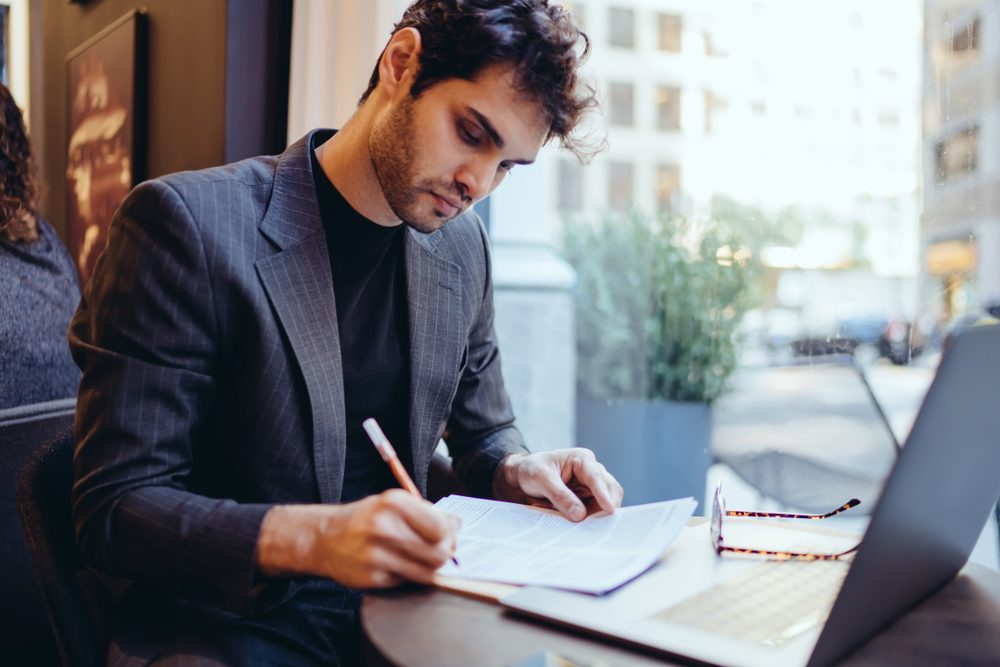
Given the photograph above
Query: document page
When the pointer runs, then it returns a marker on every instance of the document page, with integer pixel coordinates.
(518, 544)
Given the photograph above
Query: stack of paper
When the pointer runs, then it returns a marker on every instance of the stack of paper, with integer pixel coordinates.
(518, 544)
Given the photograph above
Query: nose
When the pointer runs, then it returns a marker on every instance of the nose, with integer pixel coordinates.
(476, 179)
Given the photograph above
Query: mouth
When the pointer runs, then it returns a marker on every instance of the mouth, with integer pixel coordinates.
(446, 206)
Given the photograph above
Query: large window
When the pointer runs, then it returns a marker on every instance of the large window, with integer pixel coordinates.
(785, 182)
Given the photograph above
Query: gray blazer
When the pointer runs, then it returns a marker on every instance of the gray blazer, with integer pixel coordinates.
(212, 381)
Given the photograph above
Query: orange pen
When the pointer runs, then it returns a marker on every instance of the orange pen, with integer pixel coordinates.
(388, 454)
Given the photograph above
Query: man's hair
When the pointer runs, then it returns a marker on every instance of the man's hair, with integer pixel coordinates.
(18, 215)
(540, 41)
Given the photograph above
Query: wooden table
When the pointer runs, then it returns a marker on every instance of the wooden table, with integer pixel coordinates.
(960, 625)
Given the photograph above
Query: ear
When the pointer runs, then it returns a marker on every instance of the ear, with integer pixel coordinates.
(400, 62)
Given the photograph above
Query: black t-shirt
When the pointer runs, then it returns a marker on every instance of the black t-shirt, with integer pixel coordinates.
(369, 284)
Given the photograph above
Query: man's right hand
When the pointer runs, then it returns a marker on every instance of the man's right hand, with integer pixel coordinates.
(376, 542)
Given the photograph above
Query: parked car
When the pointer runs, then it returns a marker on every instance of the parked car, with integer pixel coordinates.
(846, 337)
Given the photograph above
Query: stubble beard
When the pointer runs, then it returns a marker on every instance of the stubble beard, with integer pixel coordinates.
(391, 149)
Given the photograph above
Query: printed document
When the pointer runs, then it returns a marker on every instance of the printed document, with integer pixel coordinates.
(518, 544)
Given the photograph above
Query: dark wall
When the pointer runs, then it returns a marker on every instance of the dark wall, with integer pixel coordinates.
(216, 81)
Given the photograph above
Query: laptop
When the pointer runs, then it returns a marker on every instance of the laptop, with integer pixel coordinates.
(923, 527)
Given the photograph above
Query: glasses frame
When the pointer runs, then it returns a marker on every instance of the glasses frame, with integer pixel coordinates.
(719, 511)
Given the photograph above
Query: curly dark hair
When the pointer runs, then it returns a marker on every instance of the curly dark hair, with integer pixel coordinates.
(18, 211)
(460, 38)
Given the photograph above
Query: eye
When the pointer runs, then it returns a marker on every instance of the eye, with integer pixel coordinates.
(469, 133)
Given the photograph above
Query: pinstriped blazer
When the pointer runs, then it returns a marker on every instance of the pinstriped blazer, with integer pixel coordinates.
(212, 381)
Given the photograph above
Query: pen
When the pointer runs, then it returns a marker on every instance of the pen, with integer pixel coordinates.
(388, 454)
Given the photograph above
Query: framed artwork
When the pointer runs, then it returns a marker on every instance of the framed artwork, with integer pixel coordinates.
(105, 132)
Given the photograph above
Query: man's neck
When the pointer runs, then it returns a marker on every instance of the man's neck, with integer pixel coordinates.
(346, 160)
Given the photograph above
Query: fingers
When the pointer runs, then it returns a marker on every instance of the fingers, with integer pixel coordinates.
(571, 480)
(415, 530)
(431, 524)
(593, 476)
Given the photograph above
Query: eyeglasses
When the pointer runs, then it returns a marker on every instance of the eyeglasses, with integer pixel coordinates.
(719, 511)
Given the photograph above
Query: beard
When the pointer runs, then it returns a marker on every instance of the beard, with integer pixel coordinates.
(391, 149)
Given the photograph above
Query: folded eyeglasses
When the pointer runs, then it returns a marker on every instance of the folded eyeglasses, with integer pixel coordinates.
(719, 511)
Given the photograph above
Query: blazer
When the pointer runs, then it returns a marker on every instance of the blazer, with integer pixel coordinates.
(212, 383)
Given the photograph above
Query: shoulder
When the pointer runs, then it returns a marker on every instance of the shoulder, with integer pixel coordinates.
(228, 188)
(45, 256)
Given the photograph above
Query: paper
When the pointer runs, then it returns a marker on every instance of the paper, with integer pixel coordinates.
(518, 544)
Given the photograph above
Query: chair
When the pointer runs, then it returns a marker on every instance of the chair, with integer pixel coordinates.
(442, 480)
(74, 597)
(25, 637)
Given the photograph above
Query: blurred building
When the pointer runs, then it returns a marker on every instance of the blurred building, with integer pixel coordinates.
(961, 222)
(774, 104)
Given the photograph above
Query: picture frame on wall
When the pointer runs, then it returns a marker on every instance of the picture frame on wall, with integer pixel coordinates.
(105, 132)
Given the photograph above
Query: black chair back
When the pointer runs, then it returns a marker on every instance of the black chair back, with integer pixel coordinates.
(25, 637)
(67, 587)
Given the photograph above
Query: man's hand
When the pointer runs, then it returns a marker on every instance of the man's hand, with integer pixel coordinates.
(376, 542)
(570, 480)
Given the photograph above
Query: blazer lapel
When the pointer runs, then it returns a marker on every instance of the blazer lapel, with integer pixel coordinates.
(437, 333)
(298, 283)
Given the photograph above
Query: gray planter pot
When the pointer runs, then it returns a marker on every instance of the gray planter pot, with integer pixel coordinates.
(658, 450)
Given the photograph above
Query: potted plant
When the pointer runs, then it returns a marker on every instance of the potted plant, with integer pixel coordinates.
(658, 301)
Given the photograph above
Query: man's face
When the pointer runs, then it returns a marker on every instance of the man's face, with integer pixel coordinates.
(439, 154)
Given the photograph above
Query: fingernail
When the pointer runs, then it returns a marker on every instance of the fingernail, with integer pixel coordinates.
(578, 512)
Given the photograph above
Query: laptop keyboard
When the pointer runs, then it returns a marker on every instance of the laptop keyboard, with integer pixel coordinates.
(768, 604)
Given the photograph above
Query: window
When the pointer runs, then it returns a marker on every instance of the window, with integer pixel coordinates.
(966, 39)
(668, 185)
(621, 27)
(570, 185)
(813, 136)
(620, 109)
(670, 27)
(668, 108)
(713, 105)
(957, 155)
(620, 181)
(962, 46)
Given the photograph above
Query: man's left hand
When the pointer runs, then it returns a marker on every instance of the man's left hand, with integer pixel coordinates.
(569, 480)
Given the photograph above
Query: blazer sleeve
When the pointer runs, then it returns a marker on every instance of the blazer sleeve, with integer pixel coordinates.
(481, 431)
(145, 337)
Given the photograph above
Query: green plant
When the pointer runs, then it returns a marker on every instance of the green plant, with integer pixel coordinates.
(657, 306)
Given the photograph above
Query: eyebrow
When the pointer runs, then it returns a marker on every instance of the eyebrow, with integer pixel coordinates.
(490, 130)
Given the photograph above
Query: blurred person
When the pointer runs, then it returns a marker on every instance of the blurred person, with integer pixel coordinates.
(244, 320)
(40, 284)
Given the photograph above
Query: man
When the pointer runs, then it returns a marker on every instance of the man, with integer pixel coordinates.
(244, 320)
